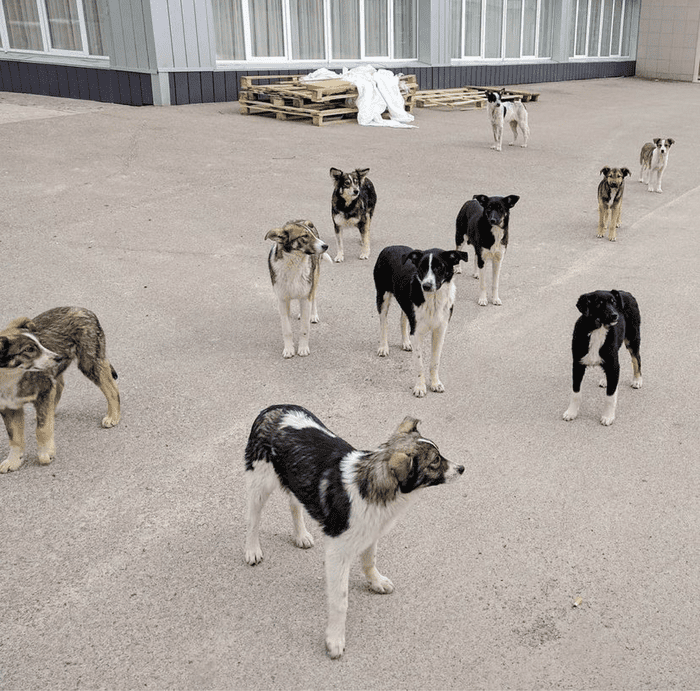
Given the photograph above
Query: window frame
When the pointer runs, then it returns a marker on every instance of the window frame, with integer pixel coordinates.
(620, 29)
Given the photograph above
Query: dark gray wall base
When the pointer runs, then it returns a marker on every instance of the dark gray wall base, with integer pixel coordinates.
(86, 83)
(213, 87)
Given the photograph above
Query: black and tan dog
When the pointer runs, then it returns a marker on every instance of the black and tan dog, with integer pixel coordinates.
(352, 206)
(608, 319)
(295, 266)
(356, 496)
(610, 191)
(34, 353)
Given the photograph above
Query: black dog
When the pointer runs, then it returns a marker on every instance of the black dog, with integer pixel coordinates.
(422, 284)
(352, 205)
(483, 223)
(608, 319)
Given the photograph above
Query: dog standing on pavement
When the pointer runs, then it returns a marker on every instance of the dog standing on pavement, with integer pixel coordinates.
(610, 191)
(501, 112)
(295, 265)
(356, 496)
(34, 354)
(422, 284)
(608, 319)
(352, 206)
(483, 223)
(653, 159)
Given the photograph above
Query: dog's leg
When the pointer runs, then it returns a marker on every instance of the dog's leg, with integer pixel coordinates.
(338, 558)
(339, 255)
(438, 341)
(633, 348)
(525, 128)
(377, 582)
(285, 310)
(602, 218)
(260, 481)
(614, 223)
(575, 402)
(497, 136)
(420, 389)
(496, 271)
(14, 423)
(383, 350)
(314, 287)
(405, 333)
(483, 300)
(303, 349)
(514, 128)
(460, 248)
(302, 537)
(364, 236)
(108, 386)
(612, 378)
(45, 409)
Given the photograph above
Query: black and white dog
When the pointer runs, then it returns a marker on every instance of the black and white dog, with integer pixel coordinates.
(608, 319)
(422, 284)
(502, 112)
(356, 496)
(483, 223)
(653, 159)
(352, 206)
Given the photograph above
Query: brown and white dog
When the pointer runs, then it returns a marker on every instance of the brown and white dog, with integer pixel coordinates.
(653, 159)
(295, 265)
(501, 112)
(352, 206)
(34, 353)
(610, 191)
(356, 496)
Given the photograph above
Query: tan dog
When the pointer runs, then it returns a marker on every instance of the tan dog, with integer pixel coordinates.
(294, 264)
(34, 353)
(610, 191)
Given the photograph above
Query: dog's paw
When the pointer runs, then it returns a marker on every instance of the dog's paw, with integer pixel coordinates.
(288, 352)
(46, 454)
(364, 255)
(304, 541)
(419, 390)
(607, 420)
(569, 415)
(523, 146)
(335, 646)
(339, 258)
(637, 383)
(497, 301)
(381, 584)
(407, 346)
(12, 462)
(612, 239)
(437, 386)
(303, 351)
(314, 319)
(458, 269)
(483, 300)
(383, 351)
(110, 421)
(599, 234)
(253, 555)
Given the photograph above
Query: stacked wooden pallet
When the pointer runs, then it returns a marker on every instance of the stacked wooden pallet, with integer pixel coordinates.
(287, 97)
(465, 97)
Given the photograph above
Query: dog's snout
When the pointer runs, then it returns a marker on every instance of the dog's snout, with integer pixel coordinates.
(324, 247)
(460, 469)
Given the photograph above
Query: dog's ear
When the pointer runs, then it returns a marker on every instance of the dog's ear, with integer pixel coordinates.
(657, 141)
(671, 141)
(511, 200)
(407, 426)
(361, 173)
(482, 199)
(454, 257)
(22, 323)
(605, 171)
(413, 257)
(502, 92)
(277, 235)
(625, 172)
(336, 174)
(582, 304)
(619, 299)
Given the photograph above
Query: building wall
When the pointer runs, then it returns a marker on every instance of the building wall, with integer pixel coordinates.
(668, 46)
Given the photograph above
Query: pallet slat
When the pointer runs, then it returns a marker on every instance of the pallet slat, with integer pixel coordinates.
(466, 97)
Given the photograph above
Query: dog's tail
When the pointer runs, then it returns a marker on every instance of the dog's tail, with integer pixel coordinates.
(115, 376)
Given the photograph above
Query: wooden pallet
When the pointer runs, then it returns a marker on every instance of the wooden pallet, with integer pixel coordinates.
(465, 97)
(287, 97)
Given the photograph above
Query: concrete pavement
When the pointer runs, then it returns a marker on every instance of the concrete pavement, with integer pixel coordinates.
(122, 562)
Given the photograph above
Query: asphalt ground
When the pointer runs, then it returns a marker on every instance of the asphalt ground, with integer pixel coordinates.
(122, 563)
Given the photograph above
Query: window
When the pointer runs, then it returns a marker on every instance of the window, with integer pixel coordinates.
(513, 29)
(601, 29)
(321, 30)
(51, 26)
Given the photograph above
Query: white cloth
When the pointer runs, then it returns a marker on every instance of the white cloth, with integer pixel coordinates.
(377, 91)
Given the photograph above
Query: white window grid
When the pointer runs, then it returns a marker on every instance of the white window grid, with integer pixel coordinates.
(620, 29)
(46, 33)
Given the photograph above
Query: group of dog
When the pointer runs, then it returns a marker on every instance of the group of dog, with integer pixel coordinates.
(356, 496)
